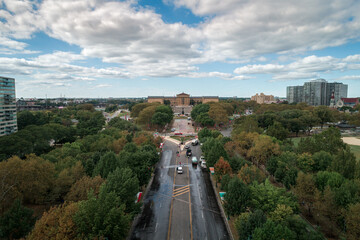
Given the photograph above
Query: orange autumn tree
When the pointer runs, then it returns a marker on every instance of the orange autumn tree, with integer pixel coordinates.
(222, 167)
(57, 223)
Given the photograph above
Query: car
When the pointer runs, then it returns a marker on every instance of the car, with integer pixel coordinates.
(194, 160)
(188, 152)
(178, 133)
(179, 170)
(202, 159)
(187, 146)
(189, 118)
(203, 164)
(194, 142)
(173, 129)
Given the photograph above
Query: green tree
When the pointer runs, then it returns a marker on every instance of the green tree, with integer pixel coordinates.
(204, 119)
(102, 217)
(309, 120)
(323, 113)
(281, 213)
(216, 151)
(198, 109)
(331, 179)
(136, 109)
(25, 118)
(122, 124)
(16, 222)
(237, 197)
(108, 163)
(266, 197)
(322, 160)
(247, 222)
(159, 118)
(225, 182)
(305, 162)
(278, 131)
(273, 231)
(125, 184)
(248, 124)
(344, 163)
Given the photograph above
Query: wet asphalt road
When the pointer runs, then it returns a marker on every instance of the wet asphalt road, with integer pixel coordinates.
(180, 206)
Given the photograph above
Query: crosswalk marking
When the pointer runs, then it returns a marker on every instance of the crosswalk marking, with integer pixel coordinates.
(181, 190)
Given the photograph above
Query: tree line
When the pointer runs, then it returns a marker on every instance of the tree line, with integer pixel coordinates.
(320, 177)
(88, 186)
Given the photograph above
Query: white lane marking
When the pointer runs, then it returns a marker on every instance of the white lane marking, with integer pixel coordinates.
(202, 214)
(156, 226)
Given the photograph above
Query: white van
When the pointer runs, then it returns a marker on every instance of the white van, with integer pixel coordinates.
(194, 142)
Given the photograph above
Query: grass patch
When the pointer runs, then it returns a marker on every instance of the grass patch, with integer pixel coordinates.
(356, 150)
(296, 140)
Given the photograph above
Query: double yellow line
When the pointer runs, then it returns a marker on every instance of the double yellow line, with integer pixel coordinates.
(181, 190)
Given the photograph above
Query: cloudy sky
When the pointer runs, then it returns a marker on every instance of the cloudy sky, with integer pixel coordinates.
(100, 48)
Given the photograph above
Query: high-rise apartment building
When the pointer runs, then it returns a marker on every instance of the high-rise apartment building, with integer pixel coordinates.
(8, 122)
(316, 92)
(294, 93)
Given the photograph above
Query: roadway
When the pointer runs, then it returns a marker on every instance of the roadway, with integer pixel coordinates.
(180, 206)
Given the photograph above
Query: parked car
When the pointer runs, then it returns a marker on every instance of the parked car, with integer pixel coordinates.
(173, 129)
(187, 146)
(202, 159)
(194, 142)
(178, 133)
(194, 160)
(203, 164)
(179, 170)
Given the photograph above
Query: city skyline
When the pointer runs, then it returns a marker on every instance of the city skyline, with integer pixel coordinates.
(97, 48)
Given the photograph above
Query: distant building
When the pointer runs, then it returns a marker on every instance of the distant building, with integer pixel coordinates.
(8, 121)
(316, 92)
(350, 102)
(262, 98)
(182, 103)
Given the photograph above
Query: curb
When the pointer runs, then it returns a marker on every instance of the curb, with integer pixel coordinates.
(222, 209)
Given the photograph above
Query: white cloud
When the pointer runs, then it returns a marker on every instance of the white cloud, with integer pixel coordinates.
(305, 68)
(143, 45)
(136, 37)
(349, 77)
(243, 29)
(102, 86)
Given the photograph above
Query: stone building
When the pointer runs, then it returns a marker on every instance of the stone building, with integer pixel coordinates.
(262, 98)
(182, 103)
